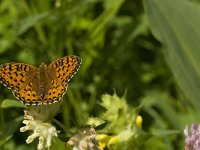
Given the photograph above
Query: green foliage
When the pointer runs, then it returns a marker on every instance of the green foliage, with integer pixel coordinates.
(9, 129)
(117, 113)
(124, 125)
(119, 52)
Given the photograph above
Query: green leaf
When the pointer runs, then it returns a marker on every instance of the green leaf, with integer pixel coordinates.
(9, 130)
(57, 143)
(98, 26)
(29, 22)
(7, 103)
(175, 23)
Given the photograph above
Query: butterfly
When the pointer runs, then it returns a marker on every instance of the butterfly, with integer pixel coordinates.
(39, 86)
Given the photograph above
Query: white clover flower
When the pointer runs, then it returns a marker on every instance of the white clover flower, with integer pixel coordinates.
(37, 119)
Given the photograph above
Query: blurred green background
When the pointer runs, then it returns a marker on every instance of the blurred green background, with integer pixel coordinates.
(149, 48)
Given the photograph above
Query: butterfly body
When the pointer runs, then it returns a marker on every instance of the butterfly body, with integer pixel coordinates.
(39, 86)
(44, 78)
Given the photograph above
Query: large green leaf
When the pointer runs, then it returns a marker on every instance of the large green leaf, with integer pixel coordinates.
(175, 23)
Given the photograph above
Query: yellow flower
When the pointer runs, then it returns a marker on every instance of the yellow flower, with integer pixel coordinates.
(113, 141)
(103, 140)
(139, 121)
(106, 140)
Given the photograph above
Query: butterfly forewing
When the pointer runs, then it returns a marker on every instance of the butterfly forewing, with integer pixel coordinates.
(65, 68)
(14, 75)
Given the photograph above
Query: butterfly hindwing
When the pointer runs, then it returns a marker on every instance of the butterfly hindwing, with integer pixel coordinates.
(55, 92)
(28, 95)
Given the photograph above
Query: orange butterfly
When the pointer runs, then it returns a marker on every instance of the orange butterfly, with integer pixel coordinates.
(39, 86)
